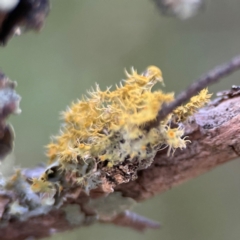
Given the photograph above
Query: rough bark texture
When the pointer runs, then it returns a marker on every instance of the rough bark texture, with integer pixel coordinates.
(215, 139)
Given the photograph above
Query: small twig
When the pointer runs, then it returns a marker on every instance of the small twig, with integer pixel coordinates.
(211, 77)
(134, 221)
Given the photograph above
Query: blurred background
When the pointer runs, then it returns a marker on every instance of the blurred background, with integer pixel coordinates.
(84, 42)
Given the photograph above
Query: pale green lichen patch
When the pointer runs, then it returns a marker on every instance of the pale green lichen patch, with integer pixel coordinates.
(74, 215)
(109, 207)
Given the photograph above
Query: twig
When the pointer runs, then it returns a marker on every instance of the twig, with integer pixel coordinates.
(211, 77)
(9, 104)
(180, 9)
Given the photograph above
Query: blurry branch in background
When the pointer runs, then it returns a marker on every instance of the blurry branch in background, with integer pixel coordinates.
(182, 9)
(21, 15)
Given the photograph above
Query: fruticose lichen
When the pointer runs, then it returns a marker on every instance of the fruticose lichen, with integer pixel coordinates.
(104, 140)
(107, 128)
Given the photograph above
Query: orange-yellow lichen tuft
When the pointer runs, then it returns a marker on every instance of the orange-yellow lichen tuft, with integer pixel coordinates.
(196, 102)
(107, 127)
(41, 186)
(174, 138)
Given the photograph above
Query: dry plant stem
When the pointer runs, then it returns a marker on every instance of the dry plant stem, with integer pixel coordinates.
(215, 136)
(207, 79)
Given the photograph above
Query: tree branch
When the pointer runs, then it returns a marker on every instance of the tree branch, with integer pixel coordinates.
(215, 139)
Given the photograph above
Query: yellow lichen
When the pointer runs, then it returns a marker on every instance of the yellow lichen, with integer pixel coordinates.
(109, 126)
(183, 112)
(41, 186)
(174, 138)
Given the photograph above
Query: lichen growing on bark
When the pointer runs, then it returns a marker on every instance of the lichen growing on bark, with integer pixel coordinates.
(103, 142)
(107, 128)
